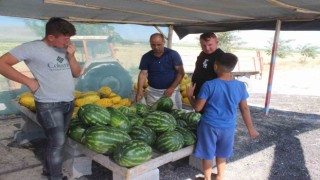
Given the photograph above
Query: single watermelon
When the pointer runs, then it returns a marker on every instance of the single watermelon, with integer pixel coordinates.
(75, 122)
(160, 121)
(181, 123)
(132, 108)
(188, 136)
(94, 115)
(143, 133)
(141, 109)
(135, 119)
(132, 153)
(177, 113)
(124, 109)
(76, 131)
(169, 141)
(119, 120)
(104, 139)
(163, 104)
(192, 119)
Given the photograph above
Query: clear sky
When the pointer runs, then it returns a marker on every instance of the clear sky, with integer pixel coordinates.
(254, 38)
(260, 38)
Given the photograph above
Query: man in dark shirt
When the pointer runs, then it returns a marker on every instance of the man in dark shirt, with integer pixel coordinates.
(205, 61)
(164, 70)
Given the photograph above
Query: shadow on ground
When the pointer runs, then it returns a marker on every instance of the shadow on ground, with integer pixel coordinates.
(279, 129)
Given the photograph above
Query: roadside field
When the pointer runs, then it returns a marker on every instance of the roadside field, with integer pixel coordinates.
(130, 55)
(287, 148)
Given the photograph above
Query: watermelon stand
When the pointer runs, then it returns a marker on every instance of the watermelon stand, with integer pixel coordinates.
(78, 158)
(147, 170)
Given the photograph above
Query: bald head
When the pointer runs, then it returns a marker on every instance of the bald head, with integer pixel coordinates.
(157, 44)
(157, 36)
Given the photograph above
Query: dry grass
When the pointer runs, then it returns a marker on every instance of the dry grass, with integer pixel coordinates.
(130, 55)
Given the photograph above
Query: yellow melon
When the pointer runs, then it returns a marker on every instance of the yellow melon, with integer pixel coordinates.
(185, 100)
(105, 91)
(104, 102)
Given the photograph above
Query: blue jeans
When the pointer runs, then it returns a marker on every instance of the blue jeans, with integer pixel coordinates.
(54, 118)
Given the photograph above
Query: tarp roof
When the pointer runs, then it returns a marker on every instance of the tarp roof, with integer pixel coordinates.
(186, 17)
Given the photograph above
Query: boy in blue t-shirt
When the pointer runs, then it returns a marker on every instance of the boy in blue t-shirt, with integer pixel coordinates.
(218, 99)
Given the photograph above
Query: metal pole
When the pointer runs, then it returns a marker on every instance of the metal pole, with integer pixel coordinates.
(272, 65)
(170, 33)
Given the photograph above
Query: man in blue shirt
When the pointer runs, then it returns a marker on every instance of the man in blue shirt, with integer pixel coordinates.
(164, 70)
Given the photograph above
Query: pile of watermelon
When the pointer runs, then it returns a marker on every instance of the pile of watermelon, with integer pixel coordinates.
(130, 134)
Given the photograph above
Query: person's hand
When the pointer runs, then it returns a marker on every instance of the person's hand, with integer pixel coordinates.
(71, 49)
(190, 90)
(137, 97)
(253, 133)
(168, 92)
(33, 85)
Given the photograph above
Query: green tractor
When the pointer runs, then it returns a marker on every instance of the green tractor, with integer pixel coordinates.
(100, 66)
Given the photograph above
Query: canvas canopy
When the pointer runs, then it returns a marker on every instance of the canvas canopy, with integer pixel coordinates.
(186, 17)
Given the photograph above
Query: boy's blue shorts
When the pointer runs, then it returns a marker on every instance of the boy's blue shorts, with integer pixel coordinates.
(214, 142)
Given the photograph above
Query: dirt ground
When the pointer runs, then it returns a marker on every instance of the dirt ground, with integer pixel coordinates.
(288, 148)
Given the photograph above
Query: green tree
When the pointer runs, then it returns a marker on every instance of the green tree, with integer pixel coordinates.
(227, 40)
(308, 51)
(284, 48)
(38, 26)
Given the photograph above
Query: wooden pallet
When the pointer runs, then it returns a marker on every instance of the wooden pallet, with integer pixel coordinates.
(158, 159)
